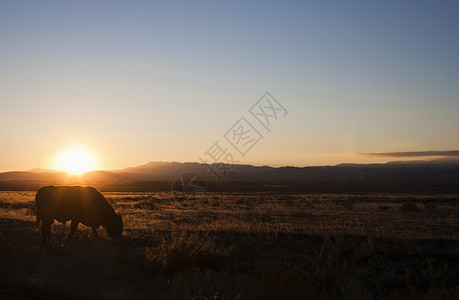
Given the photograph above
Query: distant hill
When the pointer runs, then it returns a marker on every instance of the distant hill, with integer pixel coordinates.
(434, 173)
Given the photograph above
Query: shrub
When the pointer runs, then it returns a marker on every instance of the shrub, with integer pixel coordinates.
(348, 205)
(384, 207)
(409, 206)
(431, 206)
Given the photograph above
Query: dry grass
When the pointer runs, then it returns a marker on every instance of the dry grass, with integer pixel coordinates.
(241, 246)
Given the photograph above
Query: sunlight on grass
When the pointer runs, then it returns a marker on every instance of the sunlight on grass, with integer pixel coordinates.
(241, 246)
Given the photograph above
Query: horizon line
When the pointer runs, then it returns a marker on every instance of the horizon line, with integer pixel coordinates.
(453, 154)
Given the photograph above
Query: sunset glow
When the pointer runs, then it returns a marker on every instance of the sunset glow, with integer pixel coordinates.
(76, 161)
(169, 81)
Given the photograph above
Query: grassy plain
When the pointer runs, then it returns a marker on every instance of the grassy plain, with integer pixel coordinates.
(241, 246)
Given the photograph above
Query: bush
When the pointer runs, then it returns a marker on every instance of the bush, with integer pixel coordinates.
(384, 207)
(409, 206)
(431, 206)
(348, 205)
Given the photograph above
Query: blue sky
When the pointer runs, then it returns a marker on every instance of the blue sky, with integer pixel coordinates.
(136, 81)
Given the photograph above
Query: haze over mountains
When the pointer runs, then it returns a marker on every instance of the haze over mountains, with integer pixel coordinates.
(439, 172)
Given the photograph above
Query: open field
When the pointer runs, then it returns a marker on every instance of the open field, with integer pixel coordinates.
(245, 246)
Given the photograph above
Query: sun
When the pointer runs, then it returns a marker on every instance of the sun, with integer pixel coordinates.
(76, 161)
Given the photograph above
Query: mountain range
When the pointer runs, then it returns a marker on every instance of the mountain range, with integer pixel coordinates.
(432, 173)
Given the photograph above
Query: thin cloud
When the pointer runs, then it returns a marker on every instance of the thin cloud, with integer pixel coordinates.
(452, 153)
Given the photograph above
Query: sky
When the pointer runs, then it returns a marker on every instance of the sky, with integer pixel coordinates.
(140, 81)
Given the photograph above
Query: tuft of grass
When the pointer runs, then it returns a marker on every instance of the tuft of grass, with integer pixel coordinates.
(182, 250)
